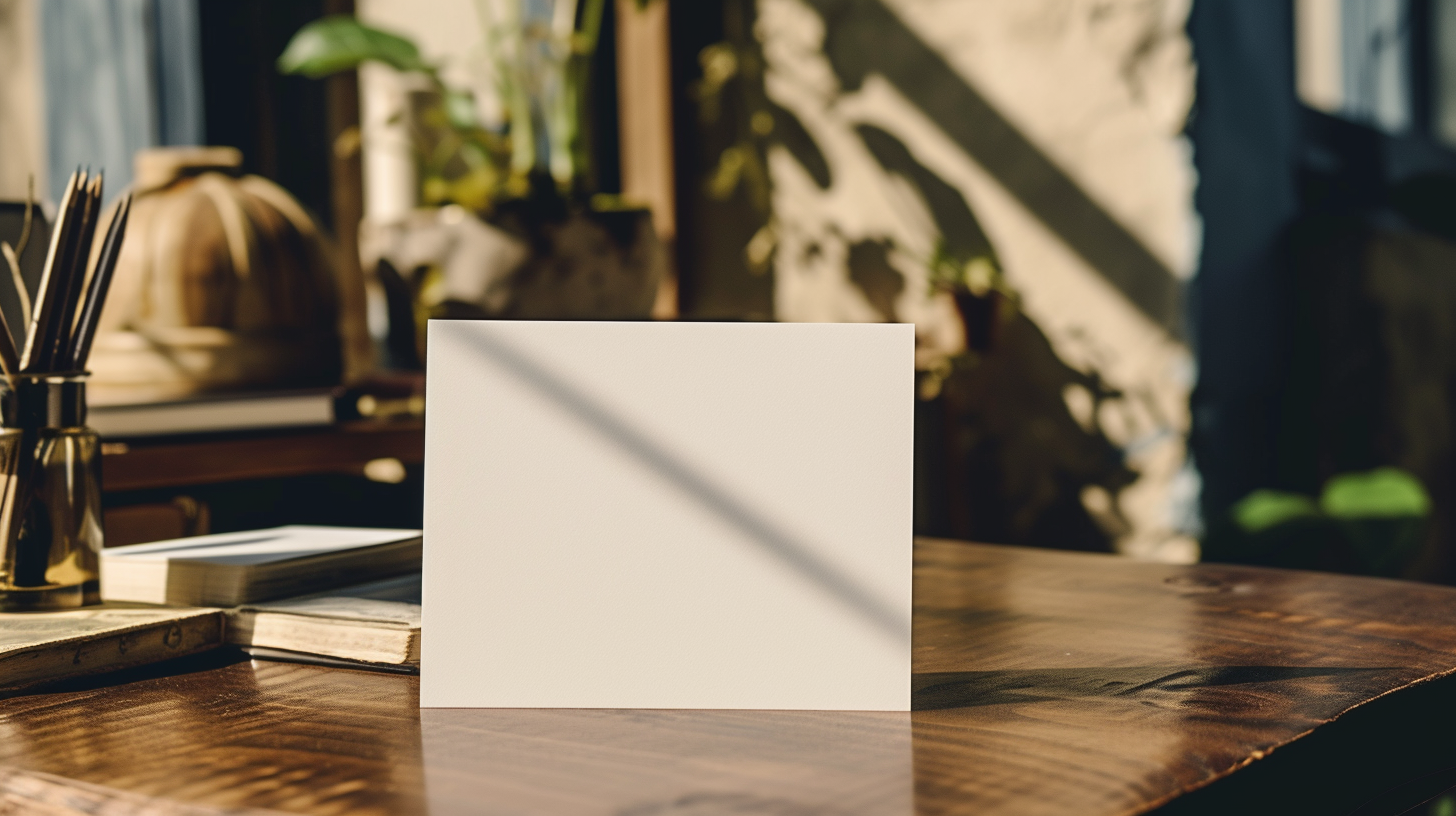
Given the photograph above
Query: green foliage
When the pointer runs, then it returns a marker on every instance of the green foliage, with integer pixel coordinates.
(978, 275)
(458, 160)
(341, 43)
(1381, 493)
(1370, 522)
(732, 99)
(1265, 509)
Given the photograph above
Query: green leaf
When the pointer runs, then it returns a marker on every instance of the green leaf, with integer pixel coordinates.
(340, 42)
(1263, 509)
(460, 109)
(1380, 493)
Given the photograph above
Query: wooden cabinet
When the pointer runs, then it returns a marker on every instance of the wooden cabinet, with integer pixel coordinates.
(361, 474)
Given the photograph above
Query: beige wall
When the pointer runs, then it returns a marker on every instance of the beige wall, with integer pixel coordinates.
(1102, 88)
(22, 125)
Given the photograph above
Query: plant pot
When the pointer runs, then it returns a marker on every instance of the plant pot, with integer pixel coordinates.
(529, 263)
(586, 265)
(981, 317)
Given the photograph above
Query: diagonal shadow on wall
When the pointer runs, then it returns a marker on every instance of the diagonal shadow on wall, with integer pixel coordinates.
(862, 37)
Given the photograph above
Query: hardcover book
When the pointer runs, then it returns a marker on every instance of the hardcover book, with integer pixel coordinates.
(232, 569)
(233, 412)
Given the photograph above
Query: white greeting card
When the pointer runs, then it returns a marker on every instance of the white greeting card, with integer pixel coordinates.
(668, 515)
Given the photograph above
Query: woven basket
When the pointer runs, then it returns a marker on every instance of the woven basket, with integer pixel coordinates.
(224, 283)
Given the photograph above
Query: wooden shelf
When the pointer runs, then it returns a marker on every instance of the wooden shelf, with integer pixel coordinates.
(184, 462)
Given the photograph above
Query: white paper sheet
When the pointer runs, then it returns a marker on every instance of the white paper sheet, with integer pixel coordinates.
(258, 546)
(668, 515)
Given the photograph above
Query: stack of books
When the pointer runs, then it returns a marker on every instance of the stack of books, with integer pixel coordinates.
(330, 595)
(214, 414)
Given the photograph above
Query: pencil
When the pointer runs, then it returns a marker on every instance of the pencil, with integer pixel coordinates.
(31, 359)
(100, 282)
(74, 280)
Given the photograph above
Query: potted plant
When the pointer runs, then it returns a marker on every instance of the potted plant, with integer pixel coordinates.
(1373, 523)
(525, 230)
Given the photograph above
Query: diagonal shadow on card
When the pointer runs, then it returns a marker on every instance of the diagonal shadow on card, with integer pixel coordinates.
(703, 490)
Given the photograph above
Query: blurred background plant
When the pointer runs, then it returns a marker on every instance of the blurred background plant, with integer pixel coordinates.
(508, 213)
(1371, 522)
(731, 95)
(540, 54)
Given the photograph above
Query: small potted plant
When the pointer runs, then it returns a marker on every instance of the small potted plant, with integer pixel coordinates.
(527, 181)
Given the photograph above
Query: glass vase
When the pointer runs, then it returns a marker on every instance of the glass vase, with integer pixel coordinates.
(51, 513)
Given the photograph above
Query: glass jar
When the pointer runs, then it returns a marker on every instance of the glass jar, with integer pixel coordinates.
(52, 497)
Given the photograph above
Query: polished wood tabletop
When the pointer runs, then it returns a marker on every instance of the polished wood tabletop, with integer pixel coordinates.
(1045, 683)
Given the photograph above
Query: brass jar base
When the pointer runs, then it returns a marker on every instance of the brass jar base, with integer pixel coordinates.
(50, 599)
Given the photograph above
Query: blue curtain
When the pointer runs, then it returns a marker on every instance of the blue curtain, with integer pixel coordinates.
(120, 75)
(1245, 132)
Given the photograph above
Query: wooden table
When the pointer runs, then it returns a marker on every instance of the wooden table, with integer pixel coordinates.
(1046, 683)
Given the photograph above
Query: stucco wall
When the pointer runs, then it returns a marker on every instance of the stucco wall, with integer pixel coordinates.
(1098, 91)
(22, 142)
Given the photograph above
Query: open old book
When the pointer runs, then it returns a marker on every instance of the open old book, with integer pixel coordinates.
(376, 623)
(38, 647)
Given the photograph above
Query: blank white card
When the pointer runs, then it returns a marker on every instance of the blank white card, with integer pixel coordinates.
(668, 515)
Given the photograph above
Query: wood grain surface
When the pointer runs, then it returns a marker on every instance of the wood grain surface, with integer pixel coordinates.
(39, 793)
(1045, 683)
